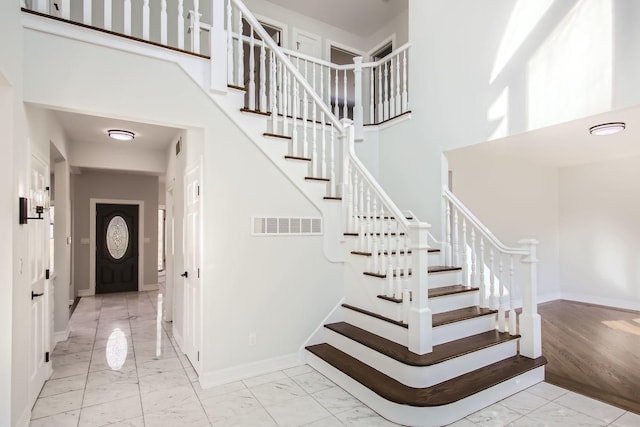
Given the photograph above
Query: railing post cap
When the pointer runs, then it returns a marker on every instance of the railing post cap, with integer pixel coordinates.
(530, 242)
(420, 225)
(346, 122)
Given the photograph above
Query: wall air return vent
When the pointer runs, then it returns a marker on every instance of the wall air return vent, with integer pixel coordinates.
(285, 226)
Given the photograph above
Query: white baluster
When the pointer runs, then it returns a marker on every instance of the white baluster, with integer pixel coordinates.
(474, 260)
(397, 91)
(512, 311)
(285, 101)
(163, 22)
(273, 91)
(252, 70)
(386, 90)
(483, 288)
(349, 201)
(380, 103)
(41, 6)
(389, 279)
(336, 105)
(322, 83)
(456, 239)
(127, 17)
(196, 27)
(375, 259)
(465, 263)
(371, 97)
(294, 120)
(405, 98)
(448, 254)
(332, 178)
(314, 129)
(501, 312)
(492, 282)
(108, 11)
(406, 305)
(323, 164)
(86, 12)
(240, 58)
(229, 46)
(392, 98)
(263, 79)
(345, 111)
(305, 116)
(398, 287)
(230, 56)
(65, 9)
(369, 224)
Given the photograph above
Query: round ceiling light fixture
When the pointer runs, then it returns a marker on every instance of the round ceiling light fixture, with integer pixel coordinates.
(607, 128)
(121, 135)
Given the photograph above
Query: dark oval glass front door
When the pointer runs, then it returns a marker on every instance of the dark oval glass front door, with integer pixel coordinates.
(116, 248)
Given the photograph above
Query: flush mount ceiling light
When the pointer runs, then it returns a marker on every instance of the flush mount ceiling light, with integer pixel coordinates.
(607, 128)
(121, 135)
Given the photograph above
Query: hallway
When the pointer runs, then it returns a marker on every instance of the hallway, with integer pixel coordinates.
(120, 367)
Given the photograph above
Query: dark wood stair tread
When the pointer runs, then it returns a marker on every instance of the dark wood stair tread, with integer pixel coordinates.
(440, 353)
(242, 88)
(432, 269)
(466, 313)
(248, 110)
(332, 198)
(436, 292)
(276, 135)
(444, 393)
(363, 253)
(316, 178)
(376, 315)
(305, 159)
(373, 234)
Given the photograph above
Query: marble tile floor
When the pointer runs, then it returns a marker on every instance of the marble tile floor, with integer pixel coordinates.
(121, 367)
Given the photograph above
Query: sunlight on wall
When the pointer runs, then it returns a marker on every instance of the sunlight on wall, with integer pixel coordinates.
(499, 111)
(524, 17)
(570, 75)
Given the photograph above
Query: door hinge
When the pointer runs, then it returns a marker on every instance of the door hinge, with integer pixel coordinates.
(46, 274)
(46, 357)
(198, 273)
(198, 356)
(198, 190)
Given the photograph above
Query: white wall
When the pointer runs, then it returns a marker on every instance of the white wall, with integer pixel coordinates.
(515, 199)
(117, 157)
(577, 60)
(279, 288)
(600, 233)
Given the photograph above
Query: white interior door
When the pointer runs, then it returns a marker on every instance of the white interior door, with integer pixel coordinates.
(38, 264)
(307, 43)
(192, 261)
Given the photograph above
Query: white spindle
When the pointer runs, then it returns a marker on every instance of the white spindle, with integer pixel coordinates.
(314, 128)
(483, 288)
(349, 201)
(294, 120)
(263, 79)
(108, 12)
(392, 97)
(501, 313)
(285, 100)
(240, 57)
(86, 12)
(305, 116)
(406, 305)
(332, 178)
(390, 279)
(386, 90)
(196, 26)
(252, 70)
(336, 105)
(405, 99)
(474, 260)
(163, 22)
(345, 112)
(65, 9)
(492, 281)
(448, 254)
(397, 91)
(41, 6)
(375, 258)
(465, 263)
(229, 36)
(512, 310)
(127, 17)
(456, 239)
(230, 63)
(368, 217)
(273, 87)
(371, 97)
(323, 164)
(380, 104)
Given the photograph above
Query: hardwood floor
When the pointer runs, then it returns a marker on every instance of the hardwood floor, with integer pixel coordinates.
(593, 350)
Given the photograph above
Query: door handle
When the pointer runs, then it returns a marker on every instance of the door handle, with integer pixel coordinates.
(33, 295)
(185, 274)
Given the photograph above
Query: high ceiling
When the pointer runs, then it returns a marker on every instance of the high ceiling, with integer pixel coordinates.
(362, 17)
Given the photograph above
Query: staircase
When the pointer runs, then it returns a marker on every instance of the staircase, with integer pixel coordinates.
(427, 331)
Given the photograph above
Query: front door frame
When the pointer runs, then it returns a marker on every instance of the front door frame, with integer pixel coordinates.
(92, 239)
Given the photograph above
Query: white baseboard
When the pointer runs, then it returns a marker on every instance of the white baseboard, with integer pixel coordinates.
(150, 287)
(597, 300)
(61, 335)
(318, 336)
(85, 293)
(71, 302)
(249, 370)
(24, 419)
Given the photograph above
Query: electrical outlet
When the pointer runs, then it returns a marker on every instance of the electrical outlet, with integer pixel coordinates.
(252, 339)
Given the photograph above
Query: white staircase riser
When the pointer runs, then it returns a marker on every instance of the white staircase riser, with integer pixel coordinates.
(427, 416)
(445, 278)
(376, 326)
(422, 376)
(457, 330)
(453, 302)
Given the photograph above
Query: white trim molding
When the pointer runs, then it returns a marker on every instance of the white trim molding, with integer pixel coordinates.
(62, 335)
(92, 242)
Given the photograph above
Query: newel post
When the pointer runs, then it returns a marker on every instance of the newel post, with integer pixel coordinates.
(420, 341)
(530, 324)
(219, 54)
(358, 111)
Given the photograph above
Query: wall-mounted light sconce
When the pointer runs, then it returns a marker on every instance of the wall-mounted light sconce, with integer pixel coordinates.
(40, 201)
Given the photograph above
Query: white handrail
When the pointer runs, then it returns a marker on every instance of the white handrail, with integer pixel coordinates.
(257, 27)
(396, 52)
(448, 195)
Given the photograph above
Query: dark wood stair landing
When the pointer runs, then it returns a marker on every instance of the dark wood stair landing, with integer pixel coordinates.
(440, 353)
(437, 395)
